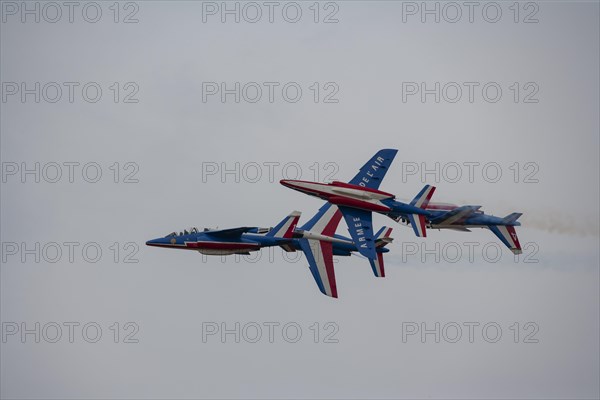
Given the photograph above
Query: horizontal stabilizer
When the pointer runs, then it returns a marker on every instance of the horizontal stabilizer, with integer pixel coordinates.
(382, 237)
(288, 247)
(511, 218)
(508, 236)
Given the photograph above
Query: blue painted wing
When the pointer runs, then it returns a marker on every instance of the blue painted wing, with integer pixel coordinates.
(372, 173)
(360, 226)
(456, 216)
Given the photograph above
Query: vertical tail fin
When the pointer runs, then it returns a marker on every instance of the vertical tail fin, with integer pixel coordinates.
(422, 199)
(417, 221)
(508, 236)
(319, 255)
(377, 266)
(285, 228)
(382, 239)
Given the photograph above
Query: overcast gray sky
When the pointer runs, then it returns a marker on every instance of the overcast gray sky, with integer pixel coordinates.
(518, 95)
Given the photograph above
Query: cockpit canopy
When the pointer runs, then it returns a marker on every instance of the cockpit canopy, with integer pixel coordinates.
(194, 230)
(185, 232)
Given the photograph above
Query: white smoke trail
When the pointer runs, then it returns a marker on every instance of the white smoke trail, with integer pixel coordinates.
(561, 222)
(557, 221)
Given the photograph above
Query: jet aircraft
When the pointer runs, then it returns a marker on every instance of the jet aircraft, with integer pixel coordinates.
(450, 216)
(316, 238)
(360, 197)
(224, 242)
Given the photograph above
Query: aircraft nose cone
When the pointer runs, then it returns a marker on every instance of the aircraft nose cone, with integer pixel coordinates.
(154, 242)
(290, 183)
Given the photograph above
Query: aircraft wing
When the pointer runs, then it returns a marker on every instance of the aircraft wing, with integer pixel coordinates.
(459, 228)
(360, 227)
(373, 172)
(320, 260)
(230, 233)
(456, 216)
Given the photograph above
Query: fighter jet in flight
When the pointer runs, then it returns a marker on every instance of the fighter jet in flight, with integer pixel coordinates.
(360, 197)
(225, 242)
(464, 218)
(316, 238)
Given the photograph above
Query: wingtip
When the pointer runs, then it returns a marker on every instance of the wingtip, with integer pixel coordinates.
(394, 151)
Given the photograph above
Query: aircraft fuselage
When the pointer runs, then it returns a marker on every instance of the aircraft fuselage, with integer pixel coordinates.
(354, 196)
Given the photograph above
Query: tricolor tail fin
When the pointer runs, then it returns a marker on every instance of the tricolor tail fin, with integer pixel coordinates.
(377, 266)
(319, 253)
(508, 236)
(382, 239)
(417, 221)
(285, 228)
(422, 199)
